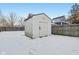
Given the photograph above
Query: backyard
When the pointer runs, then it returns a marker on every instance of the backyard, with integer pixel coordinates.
(15, 42)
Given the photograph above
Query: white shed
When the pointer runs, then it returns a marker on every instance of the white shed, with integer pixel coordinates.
(37, 25)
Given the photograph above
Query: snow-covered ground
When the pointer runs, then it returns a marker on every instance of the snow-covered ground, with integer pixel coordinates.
(14, 42)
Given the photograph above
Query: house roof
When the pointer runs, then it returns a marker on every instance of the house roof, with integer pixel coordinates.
(36, 15)
(59, 17)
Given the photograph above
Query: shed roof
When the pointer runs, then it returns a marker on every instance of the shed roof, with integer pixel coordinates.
(30, 16)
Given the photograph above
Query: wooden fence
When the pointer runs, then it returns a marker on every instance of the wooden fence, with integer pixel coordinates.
(11, 28)
(69, 30)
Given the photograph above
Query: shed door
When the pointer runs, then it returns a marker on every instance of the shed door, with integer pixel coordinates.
(43, 29)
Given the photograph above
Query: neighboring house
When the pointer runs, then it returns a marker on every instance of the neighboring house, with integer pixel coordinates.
(37, 25)
(59, 20)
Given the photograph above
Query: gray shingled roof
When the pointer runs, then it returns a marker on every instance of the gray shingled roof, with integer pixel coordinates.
(35, 15)
(58, 17)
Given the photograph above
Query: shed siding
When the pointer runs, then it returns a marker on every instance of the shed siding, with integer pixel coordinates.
(36, 23)
(29, 28)
(32, 26)
(35, 27)
(43, 29)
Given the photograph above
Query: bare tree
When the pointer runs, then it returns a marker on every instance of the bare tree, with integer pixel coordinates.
(3, 21)
(12, 19)
(74, 15)
(0, 17)
(21, 21)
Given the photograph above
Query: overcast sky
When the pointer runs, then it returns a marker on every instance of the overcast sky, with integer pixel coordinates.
(22, 9)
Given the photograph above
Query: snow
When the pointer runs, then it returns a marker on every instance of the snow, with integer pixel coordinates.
(15, 42)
